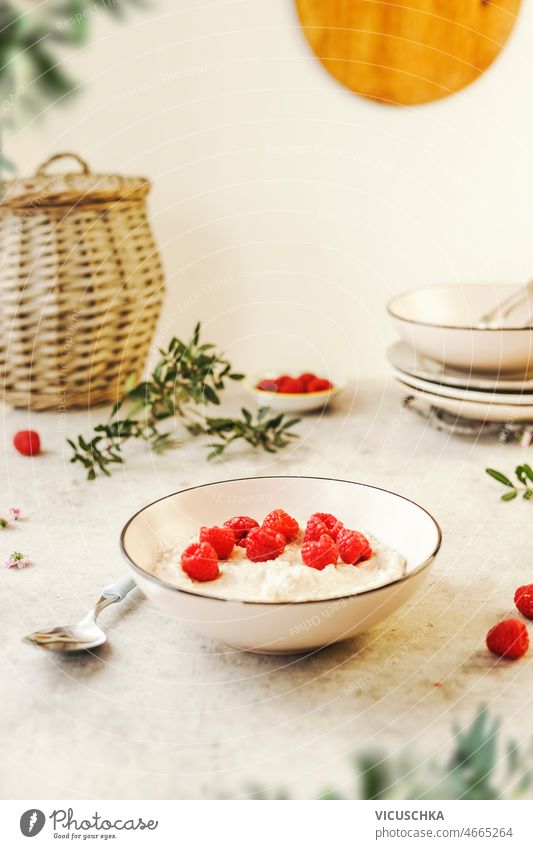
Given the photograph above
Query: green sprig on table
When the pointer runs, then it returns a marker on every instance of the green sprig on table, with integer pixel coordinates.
(524, 474)
(188, 377)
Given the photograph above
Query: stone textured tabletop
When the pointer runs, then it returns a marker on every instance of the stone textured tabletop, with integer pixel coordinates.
(160, 712)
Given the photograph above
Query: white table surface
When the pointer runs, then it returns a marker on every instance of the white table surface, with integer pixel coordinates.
(161, 712)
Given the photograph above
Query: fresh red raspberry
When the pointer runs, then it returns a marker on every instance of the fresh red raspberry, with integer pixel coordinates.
(306, 379)
(353, 546)
(314, 529)
(199, 561)
(319, 554)
(523, 598)
(264, 545)
(281, 381)
(222, 540)
(319, 385)
(331, 522)
(279, 522)
(292, 385)
(27, 442)
(508, 639)
(322, 523)
(267, 385)
(240, 525)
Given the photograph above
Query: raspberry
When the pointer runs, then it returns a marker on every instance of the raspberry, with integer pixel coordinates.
(267, 385)
(240, 525)
(322, 523)
(366, 555)
(306, 379)
(281, 380)
(523, 598)
(292, 385)
(314, 529)
(264, 545)
(279, 522)
(199, 562)
(508, 639)
(353, 546)
(320, 554)
(319, 385)
(222, 540)
(331, 522)
(27, 442)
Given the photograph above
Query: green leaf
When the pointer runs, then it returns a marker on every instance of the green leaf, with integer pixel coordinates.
(501, 478)
(275, 422)
(211, 395)
(375, 777)
(76, 23)
(215, 452)
(50, 76)
(508, 496)
(524, 473)
(129, 384)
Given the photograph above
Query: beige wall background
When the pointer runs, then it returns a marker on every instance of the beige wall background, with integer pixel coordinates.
(289, 210)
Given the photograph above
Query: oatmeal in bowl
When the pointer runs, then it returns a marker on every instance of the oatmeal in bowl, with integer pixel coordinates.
(280, 560)
(281, 564)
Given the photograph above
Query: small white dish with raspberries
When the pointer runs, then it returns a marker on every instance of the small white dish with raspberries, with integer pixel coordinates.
(305, 393)
(281, 564)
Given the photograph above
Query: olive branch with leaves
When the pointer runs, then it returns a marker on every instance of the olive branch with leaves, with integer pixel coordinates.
(524, 475)
(188, 377)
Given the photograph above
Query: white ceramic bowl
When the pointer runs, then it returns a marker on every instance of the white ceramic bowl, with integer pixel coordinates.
(292, 402)
(439, 322)
(274, 628)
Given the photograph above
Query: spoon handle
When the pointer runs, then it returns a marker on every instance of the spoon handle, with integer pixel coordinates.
(508, 304)
(119, 588)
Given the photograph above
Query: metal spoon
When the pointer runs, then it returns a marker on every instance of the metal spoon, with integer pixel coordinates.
(492, 320)
(85, 634)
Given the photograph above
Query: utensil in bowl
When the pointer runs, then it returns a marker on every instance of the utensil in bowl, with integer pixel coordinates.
(441, 322)
(86, 634)
(281, 627)
(292, 402)
(495, 317)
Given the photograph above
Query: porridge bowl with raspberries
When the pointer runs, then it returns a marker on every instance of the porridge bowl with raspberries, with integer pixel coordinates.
(281, 564)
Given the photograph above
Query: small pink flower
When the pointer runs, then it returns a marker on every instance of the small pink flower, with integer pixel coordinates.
(18, 561)
(14, 513)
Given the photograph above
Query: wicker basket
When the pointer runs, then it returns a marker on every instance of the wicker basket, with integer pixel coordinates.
(81, 286)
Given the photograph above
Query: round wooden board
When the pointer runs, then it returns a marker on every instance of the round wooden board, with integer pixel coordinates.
(407, 52)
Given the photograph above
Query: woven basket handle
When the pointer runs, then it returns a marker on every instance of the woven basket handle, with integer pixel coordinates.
(43, 169)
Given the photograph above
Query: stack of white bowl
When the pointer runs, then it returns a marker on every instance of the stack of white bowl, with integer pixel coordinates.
(448, 359)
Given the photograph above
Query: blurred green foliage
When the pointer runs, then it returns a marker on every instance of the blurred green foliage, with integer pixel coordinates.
(475, 765)
(34, 40)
